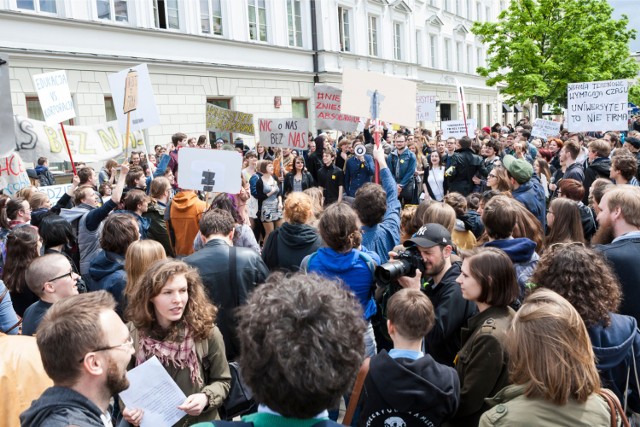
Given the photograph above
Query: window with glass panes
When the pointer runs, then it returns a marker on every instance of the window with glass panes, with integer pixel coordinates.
(459, 56)
(109, 109)
(294, 21)
(373, 35)
(343, 22)
(299, 108)
(447, 54)
(211, 17)
(166, 14)
(433, 47)
(258, 20)
(48, 6)
(469, 59)
(213, 135)
(112, 10)
(397, 41)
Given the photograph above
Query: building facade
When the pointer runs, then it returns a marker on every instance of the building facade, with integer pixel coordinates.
(257, 56)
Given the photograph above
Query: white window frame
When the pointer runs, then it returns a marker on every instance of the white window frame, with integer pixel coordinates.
(478, 11)
(37, 8)
(470, 59)
(487, 13)
(256, 5)
(469, 10)
(419, 47)
(156, 14)
(112, 11)
(459, 57)
(433, 50)
(447, 55)
(344, 35)
(397, 40)
(296, 21)
(372, 35)
(211, 17)
(479, 57)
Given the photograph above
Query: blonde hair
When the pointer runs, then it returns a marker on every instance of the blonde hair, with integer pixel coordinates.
(140, 255)
(317, 200)
(440, 213)
(38, 200)
(298, 208)
(550, 350)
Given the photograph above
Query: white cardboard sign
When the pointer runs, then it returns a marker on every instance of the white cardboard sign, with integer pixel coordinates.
(456, 128)
(597, 106)
(425, 107)
(217, 171)
(284, 133)
(55, 192)
(397, 100)
(544, 128)
(146, 113)
(55, 97)
(328, 110)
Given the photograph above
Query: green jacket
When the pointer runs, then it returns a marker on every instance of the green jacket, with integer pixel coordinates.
(158, 227)
(481, 363)
(512, 408)
(217, 377)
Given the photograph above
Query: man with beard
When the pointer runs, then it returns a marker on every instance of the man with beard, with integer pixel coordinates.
(85, 349)
(618, 238)
(433, 241)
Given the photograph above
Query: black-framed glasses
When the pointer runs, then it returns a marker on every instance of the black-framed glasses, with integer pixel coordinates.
(128, 343)
(70, 274)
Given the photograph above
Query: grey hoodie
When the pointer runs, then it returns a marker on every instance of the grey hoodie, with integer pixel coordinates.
(61, 407)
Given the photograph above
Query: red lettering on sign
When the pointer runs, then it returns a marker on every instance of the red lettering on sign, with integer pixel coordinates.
(265, 125)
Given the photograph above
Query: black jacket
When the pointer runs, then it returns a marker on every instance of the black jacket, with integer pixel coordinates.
(421, 392)
(588, 221)
(287, 245)
(465, 164)
(62, 406)
(452, 312)
(213, 263)
(307, 182)
(599, 168)
(623, 256)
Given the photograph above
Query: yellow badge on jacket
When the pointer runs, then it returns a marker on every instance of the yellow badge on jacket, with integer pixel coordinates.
(402, 161)
(333, 177)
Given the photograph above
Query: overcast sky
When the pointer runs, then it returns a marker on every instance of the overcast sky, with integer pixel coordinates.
(631, 8)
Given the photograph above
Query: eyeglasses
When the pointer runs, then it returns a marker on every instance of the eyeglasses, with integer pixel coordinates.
(70, 274)
(125, 346)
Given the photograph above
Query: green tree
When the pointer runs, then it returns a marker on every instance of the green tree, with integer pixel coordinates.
(537, 47)
(634, 93)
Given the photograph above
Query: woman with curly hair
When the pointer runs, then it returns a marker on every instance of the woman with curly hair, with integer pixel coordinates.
(552, 368)
(171, 317)
(563, 222)
(583, 277)
(23, 246)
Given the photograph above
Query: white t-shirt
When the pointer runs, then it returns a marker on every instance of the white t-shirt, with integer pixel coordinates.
(436, 182)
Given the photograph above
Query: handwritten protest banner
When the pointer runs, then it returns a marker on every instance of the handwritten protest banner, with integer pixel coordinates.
(146, 113)
(284, 133)
(54, 192)
(543, 128)
(221, 119)
(7, 139)
(456, 128)
(210, 170)
(55, 98)
(425, 107)
(95, 143)
(396, 97)
(597, 106)
(13, 174)
(328, 114)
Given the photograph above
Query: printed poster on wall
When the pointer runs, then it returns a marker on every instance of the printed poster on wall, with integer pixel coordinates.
(597, 106)
(328, 114)
(96, 143)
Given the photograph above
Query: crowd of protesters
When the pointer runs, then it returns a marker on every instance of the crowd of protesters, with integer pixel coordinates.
(490, 279)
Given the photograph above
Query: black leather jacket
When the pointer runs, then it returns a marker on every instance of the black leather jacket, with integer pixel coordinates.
(213, 263)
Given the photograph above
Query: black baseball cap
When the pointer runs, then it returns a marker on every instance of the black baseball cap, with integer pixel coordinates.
(430, 235)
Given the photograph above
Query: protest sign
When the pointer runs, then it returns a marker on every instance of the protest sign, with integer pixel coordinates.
(328, 114)
(146, 113)
(95, 143)
(13, 174)
(221, 119)
(456, 128)
(54, 192)
(216, 171)
(544, 128)
(7, 139)
(425, 107)
(597, 106)
(55, 98)
(396, 97)
(284, 133)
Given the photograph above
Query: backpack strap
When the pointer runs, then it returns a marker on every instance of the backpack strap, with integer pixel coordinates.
(355, 394)
(304, 265)
(369, 261)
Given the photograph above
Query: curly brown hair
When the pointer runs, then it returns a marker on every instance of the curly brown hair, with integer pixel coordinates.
(583, 277)
(199, 313)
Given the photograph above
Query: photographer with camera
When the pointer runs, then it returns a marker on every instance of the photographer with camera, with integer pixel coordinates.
(428, 255)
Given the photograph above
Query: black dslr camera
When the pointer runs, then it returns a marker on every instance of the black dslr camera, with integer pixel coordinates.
(405, 264)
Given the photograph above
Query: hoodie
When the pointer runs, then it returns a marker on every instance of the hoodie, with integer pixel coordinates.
(288, 244)
(418, 392)
(107, 271)
(61, 407)
(352, 269)
(522, 252)
(615, 347)
(186, 210)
